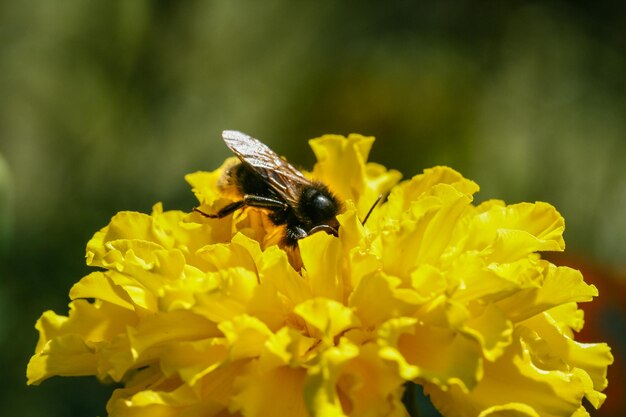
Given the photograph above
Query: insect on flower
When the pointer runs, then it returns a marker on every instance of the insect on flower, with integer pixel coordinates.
(266, 181)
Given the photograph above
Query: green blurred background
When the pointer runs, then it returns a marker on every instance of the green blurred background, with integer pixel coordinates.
(106, 105)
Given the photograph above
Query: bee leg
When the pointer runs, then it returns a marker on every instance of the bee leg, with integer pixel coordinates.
(225, 211)
(248, 200)
(293, 234)
(264, 202)
(326, 228)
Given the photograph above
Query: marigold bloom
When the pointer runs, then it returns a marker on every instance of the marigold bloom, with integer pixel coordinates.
(208, 317)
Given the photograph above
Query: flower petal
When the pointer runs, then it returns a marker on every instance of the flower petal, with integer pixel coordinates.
(276, 392)
(434, 354)
(341, 162)
(391, 301)
(326, 318)
(560, 285)
(246, 336)
(423, 233)
(325, 277)
(512, 378)
(320, 389)
(66, 355)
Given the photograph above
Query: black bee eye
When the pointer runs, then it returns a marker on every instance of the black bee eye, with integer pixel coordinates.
(318, 206)
(324, 206)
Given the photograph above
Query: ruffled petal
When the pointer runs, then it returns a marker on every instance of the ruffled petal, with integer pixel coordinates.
(514, 378)
(325, 318)
(274, 392)
(430, 353)
(66, 355)
(320, 390)
(391, 301)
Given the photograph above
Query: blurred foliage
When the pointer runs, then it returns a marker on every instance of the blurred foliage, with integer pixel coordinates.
(6, 203)
(105, 105)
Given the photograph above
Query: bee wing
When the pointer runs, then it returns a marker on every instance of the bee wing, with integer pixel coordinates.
(279, 174)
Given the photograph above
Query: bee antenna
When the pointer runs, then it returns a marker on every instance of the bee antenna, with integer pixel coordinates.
(367, 216)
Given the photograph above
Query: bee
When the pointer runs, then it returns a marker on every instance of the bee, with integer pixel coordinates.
(264, 180)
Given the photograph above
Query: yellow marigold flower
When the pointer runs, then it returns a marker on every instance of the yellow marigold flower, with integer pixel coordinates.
(208, 317)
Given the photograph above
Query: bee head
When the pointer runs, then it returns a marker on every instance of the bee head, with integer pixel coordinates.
(319, 205)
